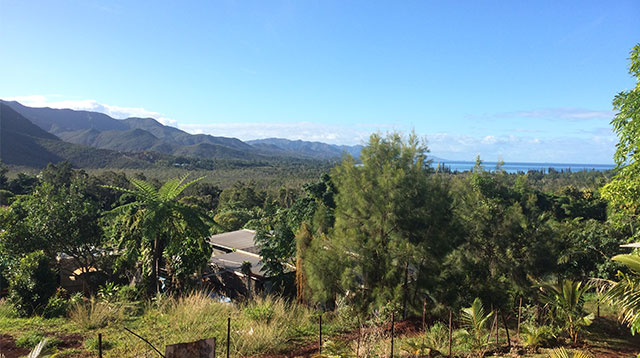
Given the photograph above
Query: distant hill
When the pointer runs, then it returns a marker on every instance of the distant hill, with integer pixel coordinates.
(132, 134)
(23, 143)
(145, 135)
(310, 149)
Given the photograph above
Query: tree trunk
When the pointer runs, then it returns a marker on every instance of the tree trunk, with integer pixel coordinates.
(155, 277)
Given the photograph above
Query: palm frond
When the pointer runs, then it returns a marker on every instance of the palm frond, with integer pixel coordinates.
(167, 189)
(563, 353)
(145, 190)
(177, 191)
(38, 349)
(631, 261)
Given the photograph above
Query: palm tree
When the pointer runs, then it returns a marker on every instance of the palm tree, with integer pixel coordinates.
(157, 220)
(475, 321)
(626, 293)
(566, 300)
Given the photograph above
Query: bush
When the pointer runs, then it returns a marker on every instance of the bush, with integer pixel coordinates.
(58, 305)
(31, 284)
(260, 311)
(128, 294)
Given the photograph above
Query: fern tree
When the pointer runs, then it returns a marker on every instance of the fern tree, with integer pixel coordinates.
(156, 228)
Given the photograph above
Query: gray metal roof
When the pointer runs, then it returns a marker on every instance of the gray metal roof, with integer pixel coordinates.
(633, 245)
(233, 261)
(239, 240)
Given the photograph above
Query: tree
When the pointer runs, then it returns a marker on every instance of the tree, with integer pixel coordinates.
(389, 237)
(566, 301)
(31, 283)
(157, 226)
(54, 219)
(623, 191)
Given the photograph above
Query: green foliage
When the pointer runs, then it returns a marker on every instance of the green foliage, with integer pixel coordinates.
(56, 307)
(29, 340)
(58, 217)
(475, 322)
(563, 353)
(94, 314)
(535, 336)
(566, 301)
(158, 228)
(261, 311)
(390, 213)
(31, 284)
(624, 190)
(625, 293)
(92, 344)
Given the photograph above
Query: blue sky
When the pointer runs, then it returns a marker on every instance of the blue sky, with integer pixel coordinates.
(520, 80)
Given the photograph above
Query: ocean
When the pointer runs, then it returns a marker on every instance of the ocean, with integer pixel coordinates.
(515, 167)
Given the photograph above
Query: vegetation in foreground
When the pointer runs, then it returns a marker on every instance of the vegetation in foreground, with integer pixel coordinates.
(271, 326)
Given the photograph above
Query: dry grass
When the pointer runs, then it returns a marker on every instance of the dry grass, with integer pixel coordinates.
(94, 314)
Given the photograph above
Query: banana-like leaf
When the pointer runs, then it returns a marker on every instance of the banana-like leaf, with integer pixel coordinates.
(631, 261)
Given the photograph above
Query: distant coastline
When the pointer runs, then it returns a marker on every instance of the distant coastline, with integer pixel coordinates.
(515, 167)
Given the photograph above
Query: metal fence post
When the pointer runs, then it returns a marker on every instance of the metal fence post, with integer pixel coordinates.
(228, 334)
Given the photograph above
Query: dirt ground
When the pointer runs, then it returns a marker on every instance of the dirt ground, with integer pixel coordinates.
(9, 349)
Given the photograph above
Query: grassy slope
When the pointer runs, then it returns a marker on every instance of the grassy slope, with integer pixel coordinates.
(270, 327)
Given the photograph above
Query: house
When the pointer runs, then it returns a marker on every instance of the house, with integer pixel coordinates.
(230, 251)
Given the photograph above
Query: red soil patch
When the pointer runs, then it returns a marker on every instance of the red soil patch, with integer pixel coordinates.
(9, 349)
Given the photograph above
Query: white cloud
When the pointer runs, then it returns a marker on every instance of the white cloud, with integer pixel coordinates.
(118, 112)
(566, 113)
(514, 148)
(309, 131)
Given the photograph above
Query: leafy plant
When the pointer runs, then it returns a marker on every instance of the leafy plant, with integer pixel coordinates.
(563, 353)
(108, 292)
(566, 301)
(31, 284)
(536, 336)
(335, 349)
(625, 293)
(475, 321)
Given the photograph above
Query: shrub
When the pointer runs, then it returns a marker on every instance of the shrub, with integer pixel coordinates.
(108, 292)
(260, 311)
(128, 294)
(535, 336)
(31, 284)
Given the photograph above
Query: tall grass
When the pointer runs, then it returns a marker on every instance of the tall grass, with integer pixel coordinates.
(94, 314)
(6, 309)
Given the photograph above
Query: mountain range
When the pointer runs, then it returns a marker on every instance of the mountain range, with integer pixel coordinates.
(35, 136)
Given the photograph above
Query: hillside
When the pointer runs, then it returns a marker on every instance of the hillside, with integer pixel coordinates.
(132, 134)
(24, 143)
(101, 131)
(309, 149)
